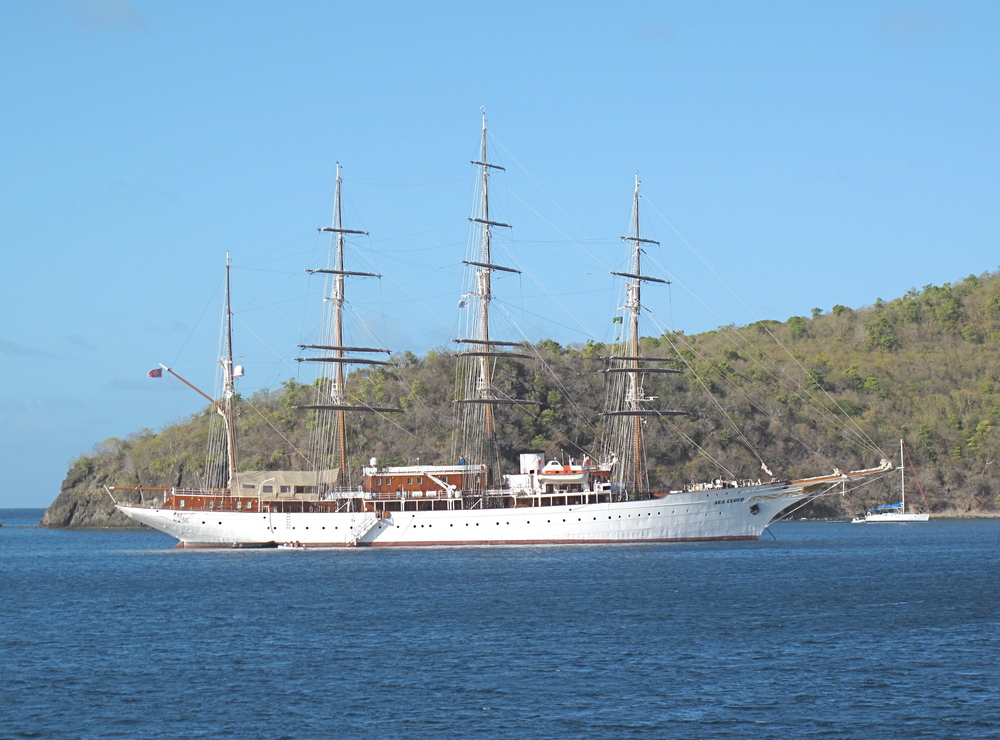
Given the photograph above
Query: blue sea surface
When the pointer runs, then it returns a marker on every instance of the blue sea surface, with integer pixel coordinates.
(826, 630)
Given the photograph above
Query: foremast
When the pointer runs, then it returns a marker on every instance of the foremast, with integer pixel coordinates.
(332, 402)
(632, 469)
(482, 397)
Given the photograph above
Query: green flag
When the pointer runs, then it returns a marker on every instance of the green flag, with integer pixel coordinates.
(616, 320)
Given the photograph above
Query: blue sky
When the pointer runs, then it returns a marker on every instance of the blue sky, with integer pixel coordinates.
(793, 155)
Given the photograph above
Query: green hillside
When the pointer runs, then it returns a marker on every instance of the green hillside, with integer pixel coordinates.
(802, 395)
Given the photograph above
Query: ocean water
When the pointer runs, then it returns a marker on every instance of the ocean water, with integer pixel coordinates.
(825, 630)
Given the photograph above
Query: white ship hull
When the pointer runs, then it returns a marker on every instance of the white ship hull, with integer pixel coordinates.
(718, 514)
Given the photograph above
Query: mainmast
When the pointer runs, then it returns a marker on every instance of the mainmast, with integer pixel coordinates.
(635, 398)
(482, 346)
(334, 350)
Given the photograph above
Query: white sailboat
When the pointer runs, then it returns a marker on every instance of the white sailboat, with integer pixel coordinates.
(475, 502)
(895, 512)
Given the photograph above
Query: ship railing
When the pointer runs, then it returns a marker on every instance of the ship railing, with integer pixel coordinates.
(332, 494)
(720, 483)
(153, 497)
(206, 492)
(399, 495)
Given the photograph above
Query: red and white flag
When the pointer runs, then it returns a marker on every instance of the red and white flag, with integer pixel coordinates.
(157, 373)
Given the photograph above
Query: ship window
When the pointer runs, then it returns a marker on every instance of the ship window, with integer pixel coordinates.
(388, 481)
(409, 481)
(378, 481)
(267, 489)
(182, 502)
(420, 479)
(286, 489)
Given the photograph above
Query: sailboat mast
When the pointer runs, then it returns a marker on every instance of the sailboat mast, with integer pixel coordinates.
(339, 391)
(228, 385)
(902, 477)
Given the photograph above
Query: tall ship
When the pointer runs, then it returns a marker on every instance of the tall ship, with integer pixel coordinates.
(596, 499)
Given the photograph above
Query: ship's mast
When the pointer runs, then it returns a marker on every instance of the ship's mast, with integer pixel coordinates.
(334, 351)
(634, 367)
(337, 300)
(484, 284)
(229, 385)
(483, 348)
(902, 478)
(634, 307)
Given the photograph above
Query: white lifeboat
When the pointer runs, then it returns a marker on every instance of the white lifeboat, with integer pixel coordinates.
(557, 474)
